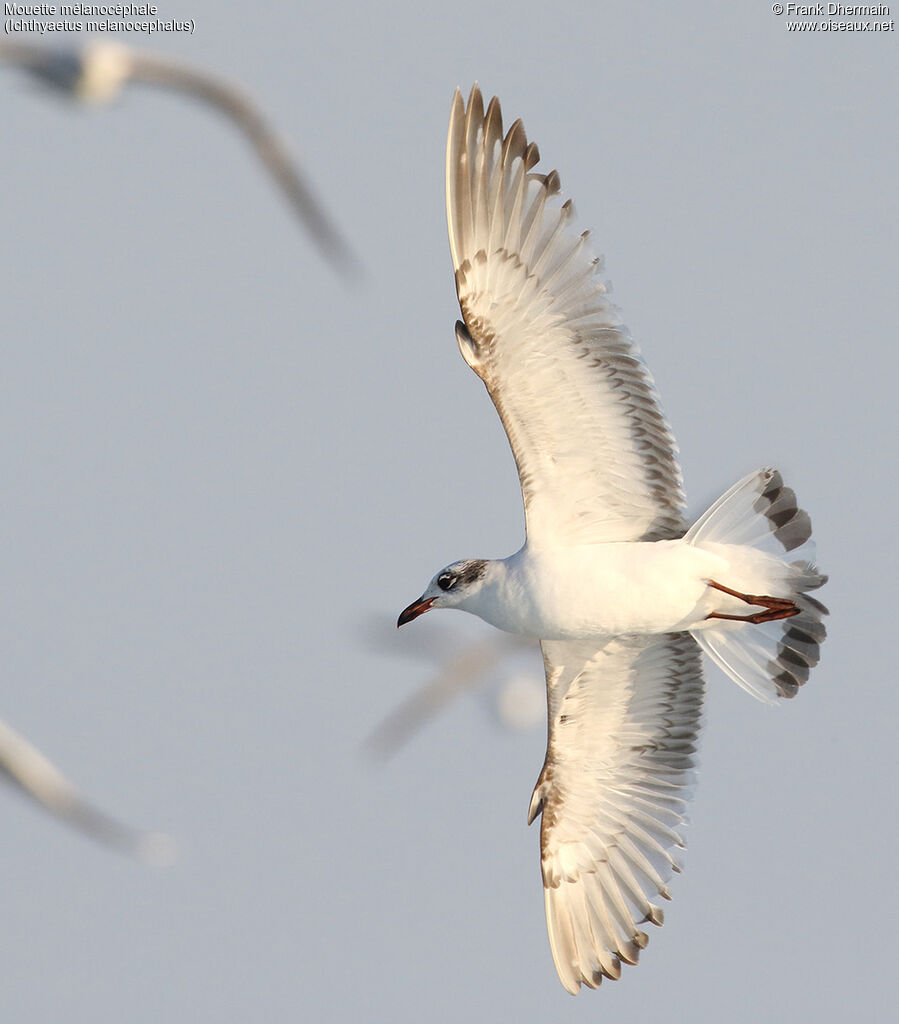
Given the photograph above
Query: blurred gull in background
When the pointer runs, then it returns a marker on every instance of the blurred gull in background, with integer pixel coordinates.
(27, 769)
(99, 72)
(501, 666)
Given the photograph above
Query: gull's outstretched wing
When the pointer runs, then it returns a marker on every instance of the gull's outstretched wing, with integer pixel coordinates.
(623, 727)
(595, 455)
(98, 72)
(26, 767)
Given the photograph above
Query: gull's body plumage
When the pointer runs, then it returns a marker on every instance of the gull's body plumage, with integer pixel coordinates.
(619, 592)
(589, 590)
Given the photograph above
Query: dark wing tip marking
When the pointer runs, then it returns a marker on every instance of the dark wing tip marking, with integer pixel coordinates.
(515, 142)
(531, 156)
(552, 183)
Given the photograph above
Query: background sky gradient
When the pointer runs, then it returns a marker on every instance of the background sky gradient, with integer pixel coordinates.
(220, 462)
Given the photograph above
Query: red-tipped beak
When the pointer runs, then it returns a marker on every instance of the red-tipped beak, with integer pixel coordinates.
(415, 609)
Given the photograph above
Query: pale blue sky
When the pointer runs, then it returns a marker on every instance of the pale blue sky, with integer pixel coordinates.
(219, 461)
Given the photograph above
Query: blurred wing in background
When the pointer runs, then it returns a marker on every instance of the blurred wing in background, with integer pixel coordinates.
(493, 662)
(28, 770)
(99, 72)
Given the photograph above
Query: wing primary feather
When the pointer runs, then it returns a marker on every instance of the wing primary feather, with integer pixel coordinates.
(514, 144)
(566, 213)
(607, 932)
(564, 264)
(474, 120)
(617, 903)
(497, 205)
(515, 190)
(453, 160)
(530, 228)
(561, 941)
(481, 170)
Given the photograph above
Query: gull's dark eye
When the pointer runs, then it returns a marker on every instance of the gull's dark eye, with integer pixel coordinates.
(446, 581)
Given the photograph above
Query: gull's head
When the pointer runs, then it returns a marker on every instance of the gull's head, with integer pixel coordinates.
(456, 586)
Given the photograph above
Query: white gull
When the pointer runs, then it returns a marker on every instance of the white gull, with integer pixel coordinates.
(619, 592)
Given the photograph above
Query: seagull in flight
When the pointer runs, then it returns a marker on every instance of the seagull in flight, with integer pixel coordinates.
(28, 770)
(621, 593)
(99, 72)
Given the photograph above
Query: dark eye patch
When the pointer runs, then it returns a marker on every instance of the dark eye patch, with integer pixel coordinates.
(446, 581)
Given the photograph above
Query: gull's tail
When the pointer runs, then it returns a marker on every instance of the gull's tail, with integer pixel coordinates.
(769, 648)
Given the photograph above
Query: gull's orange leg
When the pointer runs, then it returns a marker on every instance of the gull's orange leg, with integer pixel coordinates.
(775, 607)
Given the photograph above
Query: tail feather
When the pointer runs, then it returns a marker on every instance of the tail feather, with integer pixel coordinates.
(760, 520)
(756, 509)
